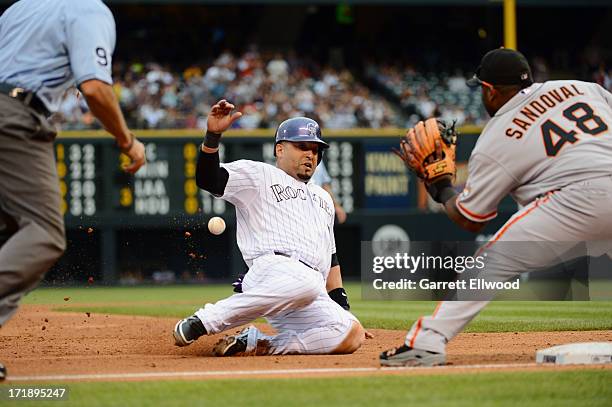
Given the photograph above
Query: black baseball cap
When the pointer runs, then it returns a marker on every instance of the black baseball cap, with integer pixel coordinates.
(502, 66)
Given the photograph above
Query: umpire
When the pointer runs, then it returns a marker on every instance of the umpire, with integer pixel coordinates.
(47, 47)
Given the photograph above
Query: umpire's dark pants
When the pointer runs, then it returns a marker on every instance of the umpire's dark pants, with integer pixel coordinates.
(30, 212)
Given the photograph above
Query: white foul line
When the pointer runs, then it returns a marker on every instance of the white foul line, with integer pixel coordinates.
(170, 375)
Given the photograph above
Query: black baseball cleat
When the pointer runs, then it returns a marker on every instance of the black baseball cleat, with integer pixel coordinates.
(406, 356)
(187, 330)
(2, 372)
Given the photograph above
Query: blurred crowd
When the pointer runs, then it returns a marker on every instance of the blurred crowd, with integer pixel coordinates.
(446, 95)
(603, 77)
(266, 88)
(425, 95)
(269, 88)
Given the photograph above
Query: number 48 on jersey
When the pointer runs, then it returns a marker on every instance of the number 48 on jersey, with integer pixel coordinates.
(555, 136)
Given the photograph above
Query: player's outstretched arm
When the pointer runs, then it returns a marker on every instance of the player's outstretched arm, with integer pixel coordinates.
(103, 104)
(209, 174)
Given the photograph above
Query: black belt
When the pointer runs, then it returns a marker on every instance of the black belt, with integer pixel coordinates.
(26, 97)
(286, 255)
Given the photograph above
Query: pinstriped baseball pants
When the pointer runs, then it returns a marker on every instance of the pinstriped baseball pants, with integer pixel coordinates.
(292, 297)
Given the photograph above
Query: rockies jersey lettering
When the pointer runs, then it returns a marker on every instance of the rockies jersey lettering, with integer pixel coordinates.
(277, 213)
(282, 193)
(546, 137)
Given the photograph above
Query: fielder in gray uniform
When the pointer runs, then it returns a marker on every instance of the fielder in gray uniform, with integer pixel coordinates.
(46, 47)
(548, 145)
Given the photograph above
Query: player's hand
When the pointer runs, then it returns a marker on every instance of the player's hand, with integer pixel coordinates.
(369, 335)
(237, 284)
(137, 155)
(220, 117)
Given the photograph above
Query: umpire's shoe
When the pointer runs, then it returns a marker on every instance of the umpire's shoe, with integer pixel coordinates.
(407, 356)
(187, 330)
(235, 344)
(2, 372)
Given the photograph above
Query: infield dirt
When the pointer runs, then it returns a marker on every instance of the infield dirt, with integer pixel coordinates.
(39, 341)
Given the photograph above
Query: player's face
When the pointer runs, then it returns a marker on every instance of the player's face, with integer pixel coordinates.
(298, 159)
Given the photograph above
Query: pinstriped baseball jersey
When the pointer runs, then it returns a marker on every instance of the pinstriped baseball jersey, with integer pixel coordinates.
(546, 137)
(277, 213)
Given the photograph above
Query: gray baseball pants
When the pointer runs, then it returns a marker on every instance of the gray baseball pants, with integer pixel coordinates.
(555, 223)
(31, 223)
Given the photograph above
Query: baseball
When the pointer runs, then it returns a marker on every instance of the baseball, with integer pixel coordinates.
(216, 225)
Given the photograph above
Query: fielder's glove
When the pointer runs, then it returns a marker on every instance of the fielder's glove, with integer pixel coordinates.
(428, 149)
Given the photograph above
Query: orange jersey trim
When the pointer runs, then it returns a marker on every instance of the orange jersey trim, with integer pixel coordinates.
(437, 309)
(474, 216)
(420, 323)
(418, 328)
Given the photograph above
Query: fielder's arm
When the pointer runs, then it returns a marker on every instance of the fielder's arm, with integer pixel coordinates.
(442, 192)
(456, 216)
(103, 104)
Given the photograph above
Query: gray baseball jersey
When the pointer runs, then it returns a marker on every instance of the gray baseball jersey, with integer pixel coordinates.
(67, 42)
(276, 212)
(550, 148)
(546, 137)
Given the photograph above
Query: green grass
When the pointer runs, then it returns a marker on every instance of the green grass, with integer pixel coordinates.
(537, 389)
(541, 388)
(179, 301)
(500, 316)
(137, 294)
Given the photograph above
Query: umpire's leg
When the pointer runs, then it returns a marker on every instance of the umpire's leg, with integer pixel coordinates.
(29, 200)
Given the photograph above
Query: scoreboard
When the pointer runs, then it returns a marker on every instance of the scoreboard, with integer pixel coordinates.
(95, 188)
(79, 180)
